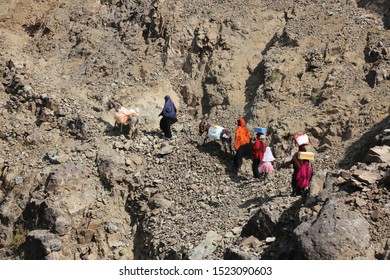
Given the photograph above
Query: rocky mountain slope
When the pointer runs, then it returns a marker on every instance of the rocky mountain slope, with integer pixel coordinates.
(73, 187)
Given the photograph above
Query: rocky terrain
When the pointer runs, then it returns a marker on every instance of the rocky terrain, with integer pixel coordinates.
(73, 187)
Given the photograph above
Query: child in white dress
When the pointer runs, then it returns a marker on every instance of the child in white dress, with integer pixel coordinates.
(265, 166)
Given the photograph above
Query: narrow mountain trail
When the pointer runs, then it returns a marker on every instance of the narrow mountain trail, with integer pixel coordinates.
(204, 193)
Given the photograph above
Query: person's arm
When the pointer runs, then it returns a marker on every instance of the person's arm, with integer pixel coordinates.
(263, 146)
(286, 164)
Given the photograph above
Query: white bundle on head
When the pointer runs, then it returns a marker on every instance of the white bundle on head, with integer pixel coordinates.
(268, 156)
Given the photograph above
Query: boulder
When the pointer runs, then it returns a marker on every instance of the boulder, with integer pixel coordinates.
(270, 219)
(379, 154)
(165, 150)
(337, 233)
(366, 176)
(317, 183)
(40, 243)
(386, 179)
(206, 246)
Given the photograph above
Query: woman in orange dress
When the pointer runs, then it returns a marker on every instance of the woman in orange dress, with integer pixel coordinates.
(241, 143)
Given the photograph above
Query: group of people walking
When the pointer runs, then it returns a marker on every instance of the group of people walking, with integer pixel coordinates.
(258, 151)
(261, 155)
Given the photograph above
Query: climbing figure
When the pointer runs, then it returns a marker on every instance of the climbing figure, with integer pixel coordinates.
(169, 117)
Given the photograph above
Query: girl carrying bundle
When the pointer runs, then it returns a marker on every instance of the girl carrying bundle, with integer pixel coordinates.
(265, 166)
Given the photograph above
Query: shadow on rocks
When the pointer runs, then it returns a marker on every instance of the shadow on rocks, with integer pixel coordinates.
(215, 149)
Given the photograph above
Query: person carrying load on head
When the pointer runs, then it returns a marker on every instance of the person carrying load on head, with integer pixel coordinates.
(303, 171)
(241, 143)
(169, 117)
(258, 151)
(265, 166)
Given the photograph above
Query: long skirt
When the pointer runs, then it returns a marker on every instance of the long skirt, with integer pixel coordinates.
(244, 151)
(165, 126)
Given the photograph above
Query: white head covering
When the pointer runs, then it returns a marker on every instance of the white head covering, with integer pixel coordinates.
(268, 155)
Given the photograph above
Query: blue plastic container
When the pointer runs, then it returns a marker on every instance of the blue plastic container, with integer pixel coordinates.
(261, 130)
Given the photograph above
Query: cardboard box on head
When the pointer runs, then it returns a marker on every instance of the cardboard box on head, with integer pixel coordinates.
(306, 155)
(301, 139)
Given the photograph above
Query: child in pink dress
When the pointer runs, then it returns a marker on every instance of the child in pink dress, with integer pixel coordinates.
(265, 166)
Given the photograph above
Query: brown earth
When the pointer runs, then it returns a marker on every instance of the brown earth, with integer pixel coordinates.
(70, 181)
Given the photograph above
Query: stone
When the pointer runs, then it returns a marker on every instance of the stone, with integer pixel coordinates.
(128, 162)
(375, 215)
(345, 174)
(137, 159)
(159, 201)
(355, 183)
(41, 243)
(118, 145)
(270, 240)
(317, 132)
(379, 154)
(251, 242)
(234, 253)
(324, 147)
(206, 246)
(317, 183)
(360, 202)
(236, 230)
(366, 176)
(337, 233)
(340, 181)
(166, 150)
(229, 234)
(179, 127)
(386, 179)
(317, 208)
(266, 221)
(57, 157)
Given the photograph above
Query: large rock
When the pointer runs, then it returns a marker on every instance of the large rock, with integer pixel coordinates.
(206, 246)
(270, 219)
(40, 243)
(337, 233)
(317, 183)
(386, 179)
(366, 176)
(379, 154)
